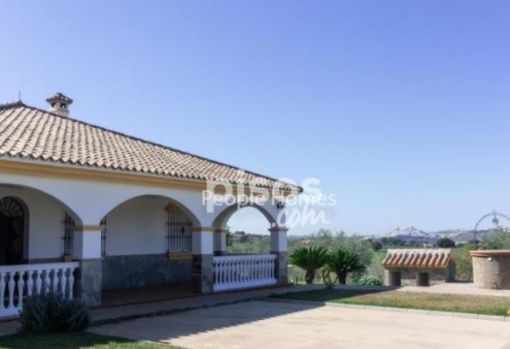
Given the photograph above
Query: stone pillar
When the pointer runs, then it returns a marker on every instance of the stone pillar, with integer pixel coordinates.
(423, 279)
(87, 251)
(203, 272)
(392, 278)
(220, 242)
(279, 248)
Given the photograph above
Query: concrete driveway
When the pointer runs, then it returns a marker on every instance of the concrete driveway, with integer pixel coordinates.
(270, 325)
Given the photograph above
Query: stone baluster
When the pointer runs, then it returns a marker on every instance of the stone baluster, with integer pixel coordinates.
(10, 290)
(21, 287)
(2, 291)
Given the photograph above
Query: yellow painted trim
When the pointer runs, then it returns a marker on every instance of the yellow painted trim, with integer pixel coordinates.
(103, 175)
(179, 255)
(88, 227)
(42, 170)
(279, 230)
(172, 208)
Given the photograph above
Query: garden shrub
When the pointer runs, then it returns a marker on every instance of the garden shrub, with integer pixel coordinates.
(311, 259)
(445, 242)
(342, 263)
(375, 267)
(330, 285)
(498, 239)
(52, 313)
(367, 280)
(355, 244)
(463, 262)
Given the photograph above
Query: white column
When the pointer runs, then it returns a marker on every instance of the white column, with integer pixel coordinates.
(87, 242)
(203, 241)
(87, 250)
(278, 239)
(279, 248)
(203, 270)
(220, 241)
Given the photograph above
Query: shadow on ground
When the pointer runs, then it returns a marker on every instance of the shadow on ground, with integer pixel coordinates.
(275, 325)
(202, 320)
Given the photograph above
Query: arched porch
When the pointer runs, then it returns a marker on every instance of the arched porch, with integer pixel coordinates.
(236, 271)
(115, 237)
(42, 225)
(146, 250)
(35, 245)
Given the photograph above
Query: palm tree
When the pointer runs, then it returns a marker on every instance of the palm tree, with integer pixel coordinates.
(310, 259)
(343, 262)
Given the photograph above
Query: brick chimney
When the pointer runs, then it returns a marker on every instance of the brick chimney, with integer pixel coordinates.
(59, 104)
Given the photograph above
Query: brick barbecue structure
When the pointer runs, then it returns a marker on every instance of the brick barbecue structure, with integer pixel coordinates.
(423, 265)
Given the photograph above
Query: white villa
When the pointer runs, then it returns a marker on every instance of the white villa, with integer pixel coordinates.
(85, 210)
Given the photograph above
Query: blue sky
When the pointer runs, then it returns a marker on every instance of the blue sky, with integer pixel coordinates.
(400, 108)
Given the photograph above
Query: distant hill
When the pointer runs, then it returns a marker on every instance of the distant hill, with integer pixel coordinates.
(412, 234)
(409, 234)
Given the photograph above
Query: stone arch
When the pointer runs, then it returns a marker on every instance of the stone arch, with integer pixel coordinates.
(138, 241)
(181, 206)
(64, 205)
(223, 217)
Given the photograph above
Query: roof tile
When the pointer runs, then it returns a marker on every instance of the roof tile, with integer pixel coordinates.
(30, 133)
(414, 258)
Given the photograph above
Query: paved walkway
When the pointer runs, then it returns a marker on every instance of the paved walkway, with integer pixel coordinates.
(274, 325)
(130, 312)
(179, 305)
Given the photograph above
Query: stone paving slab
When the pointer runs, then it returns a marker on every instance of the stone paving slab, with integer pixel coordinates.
(276, 325)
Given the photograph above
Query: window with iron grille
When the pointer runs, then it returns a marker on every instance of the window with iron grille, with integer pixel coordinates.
(67, 239)
(179, 231)
(103, 236)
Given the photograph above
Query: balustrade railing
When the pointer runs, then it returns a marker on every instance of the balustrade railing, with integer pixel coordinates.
(241, 271)
(20, 281)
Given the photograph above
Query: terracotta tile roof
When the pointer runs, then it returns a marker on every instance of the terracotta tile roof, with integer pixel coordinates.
(30, 133)
(438, 259)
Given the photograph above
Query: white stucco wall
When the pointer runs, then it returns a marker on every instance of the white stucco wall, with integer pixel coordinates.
(137, 226)
(45, 222)
(92, 200)
(134, 227)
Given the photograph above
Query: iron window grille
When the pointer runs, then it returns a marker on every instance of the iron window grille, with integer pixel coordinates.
(179, 232)
(103, 237)
(67, 239)
(12, 215)
(11, 208)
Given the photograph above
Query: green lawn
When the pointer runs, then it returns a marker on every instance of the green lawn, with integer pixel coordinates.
(81, 340)
(485, 305)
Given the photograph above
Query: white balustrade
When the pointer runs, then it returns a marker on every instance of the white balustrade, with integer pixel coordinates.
(241, 271)
(19, 281)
